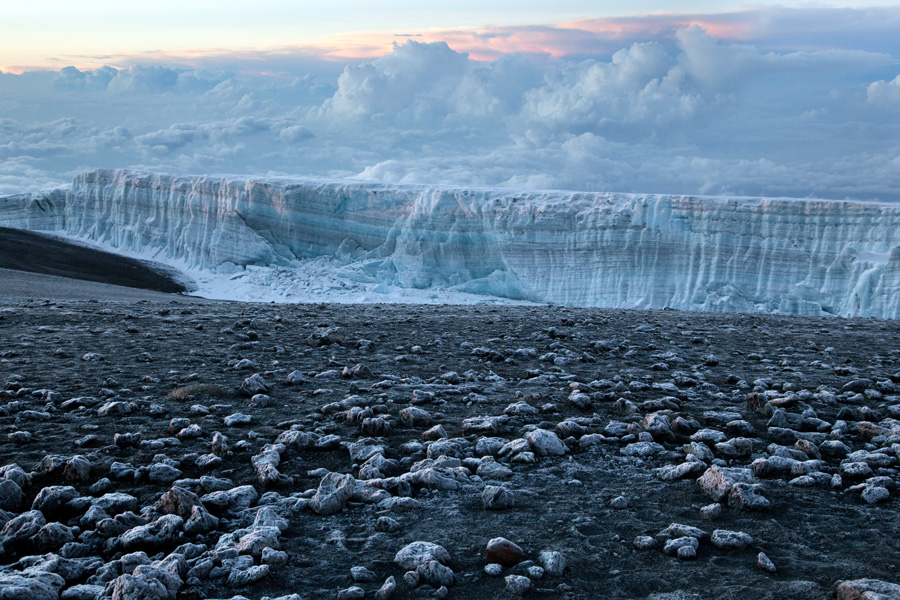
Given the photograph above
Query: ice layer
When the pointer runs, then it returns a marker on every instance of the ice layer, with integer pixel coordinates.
(804, 256)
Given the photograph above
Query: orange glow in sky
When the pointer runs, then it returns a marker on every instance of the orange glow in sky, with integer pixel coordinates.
(485, 43)
(51, 34)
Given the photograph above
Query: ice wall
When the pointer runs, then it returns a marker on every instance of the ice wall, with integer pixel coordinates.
(582, 249)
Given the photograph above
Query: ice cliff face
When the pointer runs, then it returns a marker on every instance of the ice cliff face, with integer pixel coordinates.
(580, 249)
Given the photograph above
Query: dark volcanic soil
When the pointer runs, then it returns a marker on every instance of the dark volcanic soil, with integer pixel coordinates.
(781, 390)
(29, 251)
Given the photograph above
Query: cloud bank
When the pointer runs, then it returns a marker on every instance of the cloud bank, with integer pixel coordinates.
(634, 108)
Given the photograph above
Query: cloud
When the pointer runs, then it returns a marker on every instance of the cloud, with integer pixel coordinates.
(70, 77)
(153, 79)
(496, 89)
(770, 27)
(630, 105)
(172, 138)
(294, 134)
(773, 28)
(411, 85)
(179, 135)
(714, 65)
(429, 86)
(641, 84)
(885, 93)
(21, 173)
(116, 138)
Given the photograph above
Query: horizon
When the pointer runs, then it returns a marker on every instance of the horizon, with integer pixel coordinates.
(52, 34)
(447, 187)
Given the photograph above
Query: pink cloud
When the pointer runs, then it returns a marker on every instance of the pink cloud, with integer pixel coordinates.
(769, 28)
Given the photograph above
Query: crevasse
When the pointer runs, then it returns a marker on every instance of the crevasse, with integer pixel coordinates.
(573, 248)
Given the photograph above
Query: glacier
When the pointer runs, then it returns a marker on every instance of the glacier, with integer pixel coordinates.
(353, 240)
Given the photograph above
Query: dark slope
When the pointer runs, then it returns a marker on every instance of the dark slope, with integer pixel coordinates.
(28, 251)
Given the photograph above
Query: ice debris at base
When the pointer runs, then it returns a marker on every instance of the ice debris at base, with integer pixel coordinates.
(286, 239)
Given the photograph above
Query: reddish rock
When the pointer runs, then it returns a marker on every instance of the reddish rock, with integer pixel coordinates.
(502, 551)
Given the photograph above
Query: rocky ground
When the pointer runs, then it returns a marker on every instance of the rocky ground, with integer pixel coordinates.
(177, 449)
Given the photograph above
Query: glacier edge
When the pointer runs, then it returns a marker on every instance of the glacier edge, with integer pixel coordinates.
(801, 256)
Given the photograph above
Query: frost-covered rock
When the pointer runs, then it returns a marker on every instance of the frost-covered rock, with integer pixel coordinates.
(177, 501)
(333, 493)
(435, 574)
(266, 464)
(642, 449)
(233, 500)
(415, 554)
(163, 531)
(387, 589)
(730, 540)
(115, 502)
(257, 539)
(40, 586)
(11, 495)
(52, 499)
(18, 530)
(242, 577)
(200, 521)
(517, 584)
(83, 591)
(864, 589)
(553, 563)
(545, 443)
(495, 497)
(717, 482)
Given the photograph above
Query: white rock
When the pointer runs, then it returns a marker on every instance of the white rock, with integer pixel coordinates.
(545, 443)
(242, 577)
(730, 540)
(160, 532)
(518, 585)
(418, 553)
(554, 563)
(672, 546)
(237, 419)
(387, 589)
(38, 586)
(765, 563)
(874, 494)
(333, 493)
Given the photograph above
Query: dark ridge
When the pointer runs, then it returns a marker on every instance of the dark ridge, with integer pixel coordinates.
(36, 253)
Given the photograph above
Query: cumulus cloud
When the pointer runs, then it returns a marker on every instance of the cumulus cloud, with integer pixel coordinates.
(429, 85)
(885, 93)
(153, 79)
(409, 86)
(70, 77)
(158, 79)
(172, 138)
(682, 111)
(294, 134)
(640, 84)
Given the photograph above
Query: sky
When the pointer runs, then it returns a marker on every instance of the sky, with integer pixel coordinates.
(716, 98)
